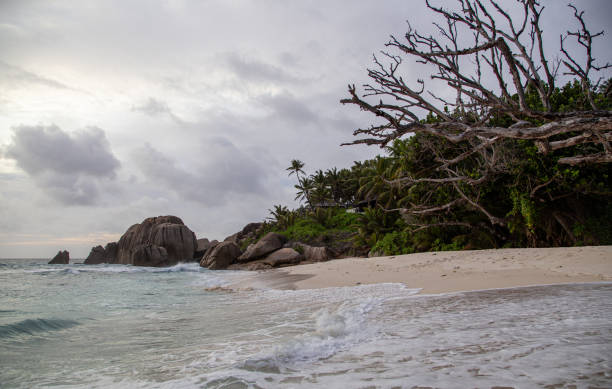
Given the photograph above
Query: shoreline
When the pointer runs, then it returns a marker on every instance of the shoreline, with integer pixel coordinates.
(448, 271)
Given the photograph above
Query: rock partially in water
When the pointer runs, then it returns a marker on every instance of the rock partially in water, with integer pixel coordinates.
(96, 256)
(150, 255)
(221, 256)
(167, 232)
(61, 258)
(99, 254)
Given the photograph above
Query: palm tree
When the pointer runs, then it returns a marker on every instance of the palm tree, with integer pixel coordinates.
(320, 193)
(304, 187)
(296, 167)
(333, 180)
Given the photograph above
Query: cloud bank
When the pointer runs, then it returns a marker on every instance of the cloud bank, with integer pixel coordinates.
(72, 168)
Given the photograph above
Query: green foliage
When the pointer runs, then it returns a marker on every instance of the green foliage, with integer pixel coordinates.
(458, 243)
(309, 225)
(303, 230)
(524, 212)
(394, 243)
(299, 249)
(540, 202)
(374, 223)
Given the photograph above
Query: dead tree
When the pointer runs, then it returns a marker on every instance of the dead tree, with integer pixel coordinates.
(490, 76)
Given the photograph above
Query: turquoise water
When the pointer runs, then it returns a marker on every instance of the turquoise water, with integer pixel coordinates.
(77, 326)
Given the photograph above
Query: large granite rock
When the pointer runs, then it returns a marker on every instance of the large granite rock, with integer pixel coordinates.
(269, 243)
(167, 232)
(221, 256)
(99, 254)
(150, 255)
(61, 258)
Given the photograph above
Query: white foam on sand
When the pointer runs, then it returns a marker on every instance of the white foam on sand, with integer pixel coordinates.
(385, 336)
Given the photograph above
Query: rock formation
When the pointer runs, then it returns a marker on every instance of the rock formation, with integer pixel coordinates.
(248, 232)
(165, 240)
(316, 254)
(96, 256)
(149, 237)
(266, 245)
(101, 254)
(61, 258)
(150, 255)
(221, 256)
(285, 256)
(202, 245)
(312, 253)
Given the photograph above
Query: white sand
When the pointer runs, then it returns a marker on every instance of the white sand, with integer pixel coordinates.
(450, 271)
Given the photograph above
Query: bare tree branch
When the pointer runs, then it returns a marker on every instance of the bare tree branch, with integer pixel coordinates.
(492, 62)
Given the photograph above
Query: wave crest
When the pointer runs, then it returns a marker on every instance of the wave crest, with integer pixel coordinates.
(34, 326)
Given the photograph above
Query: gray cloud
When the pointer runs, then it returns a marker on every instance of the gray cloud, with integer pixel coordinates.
(155, 107)
(71, 168)
(47, 148)
(286, 106)
(254, 70)
(223, 171)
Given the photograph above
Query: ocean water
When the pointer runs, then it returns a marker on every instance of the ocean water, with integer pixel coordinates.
(115, 326)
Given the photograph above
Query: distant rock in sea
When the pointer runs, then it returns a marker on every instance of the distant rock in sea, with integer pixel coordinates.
(157, 241)
(61, 258)
(101, 254)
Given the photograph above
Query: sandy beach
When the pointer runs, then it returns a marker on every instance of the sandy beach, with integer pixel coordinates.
(449, 271)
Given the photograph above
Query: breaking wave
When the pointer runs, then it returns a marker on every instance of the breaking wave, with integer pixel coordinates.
(34, 326)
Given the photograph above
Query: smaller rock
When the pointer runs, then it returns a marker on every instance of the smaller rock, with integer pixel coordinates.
(269, 243)
(285, 256)
(96, 256)
(110, 251)
(221, 256)
(312, 253)
(99, 254)
(248, 232)
(202, 246)
(213, 244)
(61, 258)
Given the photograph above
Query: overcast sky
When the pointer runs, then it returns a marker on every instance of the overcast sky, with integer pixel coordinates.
(113, 111)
